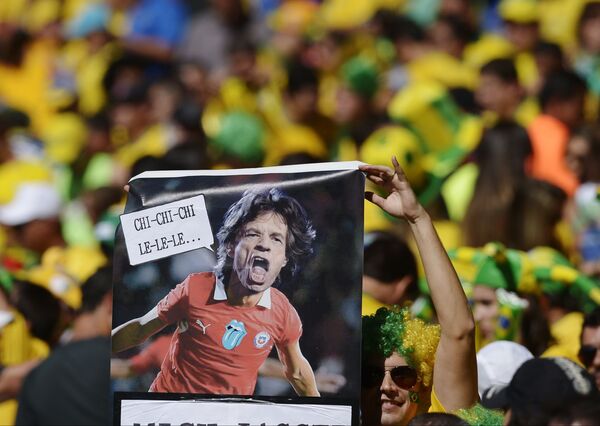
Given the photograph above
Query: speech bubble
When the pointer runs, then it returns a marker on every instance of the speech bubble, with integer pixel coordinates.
(166, 230)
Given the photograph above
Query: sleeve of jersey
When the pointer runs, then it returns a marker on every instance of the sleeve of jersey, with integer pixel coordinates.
(174, 306)
(292, 327)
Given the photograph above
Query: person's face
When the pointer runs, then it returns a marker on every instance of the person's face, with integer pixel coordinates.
(577, 150)
(97, 141)
(590, 35)
(523, 36)
(260, 251)
(571, 111)
(495, 95)
(443, 39)
(287, 43)
(385, 402)
(35, 235)
(303, 102)
(590, 341)
(485, 310)
(349, 106)
(130, 116)
(163, 102)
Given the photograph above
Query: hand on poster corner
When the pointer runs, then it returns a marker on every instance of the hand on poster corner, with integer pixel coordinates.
(401, 200)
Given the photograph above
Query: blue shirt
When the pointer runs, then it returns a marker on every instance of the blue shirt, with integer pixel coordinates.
(161, 19)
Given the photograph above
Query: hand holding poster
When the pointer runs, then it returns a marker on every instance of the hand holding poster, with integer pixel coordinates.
(284, 272)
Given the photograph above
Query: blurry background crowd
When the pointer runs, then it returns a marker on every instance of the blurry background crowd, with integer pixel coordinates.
(490, 106)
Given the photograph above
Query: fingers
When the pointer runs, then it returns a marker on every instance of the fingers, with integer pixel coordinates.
(384, 176)
(376, 170)
(374, 198)
(379, 175)
(384, 173)
(398, 169)
(375, 179)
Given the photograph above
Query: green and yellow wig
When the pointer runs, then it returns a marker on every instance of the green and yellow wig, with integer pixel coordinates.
(508, 272)
(557, 277)
(393, 330)
(479, 415)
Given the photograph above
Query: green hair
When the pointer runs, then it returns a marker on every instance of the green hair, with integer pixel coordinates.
(393, 330)
(479, 415)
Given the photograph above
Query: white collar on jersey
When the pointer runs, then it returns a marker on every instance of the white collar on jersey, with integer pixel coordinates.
(220, 294)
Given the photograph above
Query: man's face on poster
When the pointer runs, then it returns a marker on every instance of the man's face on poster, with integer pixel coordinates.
(260, 251)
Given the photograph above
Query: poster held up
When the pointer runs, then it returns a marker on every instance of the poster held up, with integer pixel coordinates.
(242, 275)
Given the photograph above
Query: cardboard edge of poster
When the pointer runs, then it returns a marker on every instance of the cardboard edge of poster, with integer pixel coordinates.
(296, 168)
(119, 397)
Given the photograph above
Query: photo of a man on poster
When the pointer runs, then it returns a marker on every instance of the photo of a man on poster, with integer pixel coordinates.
(229, 320)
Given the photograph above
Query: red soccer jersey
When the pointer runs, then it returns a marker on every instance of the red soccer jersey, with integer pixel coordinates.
(218, 347)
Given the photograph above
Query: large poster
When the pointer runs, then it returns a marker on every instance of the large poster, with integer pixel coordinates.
(241, 282)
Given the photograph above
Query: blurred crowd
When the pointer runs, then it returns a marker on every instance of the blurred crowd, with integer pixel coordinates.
(490, 106)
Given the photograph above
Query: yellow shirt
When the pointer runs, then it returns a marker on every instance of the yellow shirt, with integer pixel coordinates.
(436, 406)
(442, 68)
(27, 87)
(458, 190)
(566, 332)
(370, 304)
(153, 142)
(16, 347)
(89, 77)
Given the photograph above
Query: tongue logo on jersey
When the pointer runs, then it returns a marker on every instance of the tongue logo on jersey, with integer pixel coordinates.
(234, 333)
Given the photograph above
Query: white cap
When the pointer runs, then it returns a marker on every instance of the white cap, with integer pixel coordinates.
(497, 363)
(32, 200)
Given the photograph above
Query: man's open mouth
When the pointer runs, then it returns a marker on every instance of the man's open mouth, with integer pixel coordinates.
(260, 262)
(259, 268)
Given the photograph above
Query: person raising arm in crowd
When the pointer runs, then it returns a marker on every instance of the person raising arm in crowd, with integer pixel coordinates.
(403, 346)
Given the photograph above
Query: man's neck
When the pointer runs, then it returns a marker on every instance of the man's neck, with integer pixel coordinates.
(382, 293)
(87, 326)
(238, 295)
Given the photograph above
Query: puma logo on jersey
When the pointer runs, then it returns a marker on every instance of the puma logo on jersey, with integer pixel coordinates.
(201, 324)
(182, 326)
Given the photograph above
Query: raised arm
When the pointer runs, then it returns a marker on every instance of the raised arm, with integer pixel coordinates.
(297, 370)
(134, 332)
(455, 372)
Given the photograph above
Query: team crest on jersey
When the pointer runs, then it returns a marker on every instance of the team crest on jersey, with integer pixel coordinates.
(261, 339)
(234, 333)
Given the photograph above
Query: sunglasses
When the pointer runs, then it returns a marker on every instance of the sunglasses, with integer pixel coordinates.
(587, 353)
(403, 376)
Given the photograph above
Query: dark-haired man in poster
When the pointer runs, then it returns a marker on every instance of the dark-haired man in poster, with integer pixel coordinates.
(228, 320)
